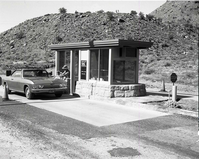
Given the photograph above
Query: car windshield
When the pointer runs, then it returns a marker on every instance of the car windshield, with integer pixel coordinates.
(35, 73)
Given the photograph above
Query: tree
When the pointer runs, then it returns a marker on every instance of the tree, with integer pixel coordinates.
(62, 10)
(133, 12)
(141, 16)
(149, 17)
(110, 15)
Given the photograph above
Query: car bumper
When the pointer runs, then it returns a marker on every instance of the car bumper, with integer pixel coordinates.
(51, 90)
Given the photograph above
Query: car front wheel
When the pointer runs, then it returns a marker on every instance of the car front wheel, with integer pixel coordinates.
(28, 94)
(58, 94)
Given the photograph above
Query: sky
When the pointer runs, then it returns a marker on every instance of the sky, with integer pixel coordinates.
(17, 11)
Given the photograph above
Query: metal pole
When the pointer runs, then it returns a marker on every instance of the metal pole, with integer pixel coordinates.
(174, 93)
(5, 94)
(163, 86)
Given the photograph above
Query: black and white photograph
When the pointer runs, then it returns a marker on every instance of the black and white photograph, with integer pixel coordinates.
(90, 79)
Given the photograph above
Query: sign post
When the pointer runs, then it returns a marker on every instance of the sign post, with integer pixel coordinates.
(174, 88)
(0, 85)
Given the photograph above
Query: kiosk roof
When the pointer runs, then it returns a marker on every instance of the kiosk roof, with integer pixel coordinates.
(102, 44)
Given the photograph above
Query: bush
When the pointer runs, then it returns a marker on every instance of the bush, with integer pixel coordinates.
(62, 10)
(141, 16)
(149, 71)
(171, 37)
(100, 11)
(88, 12)
(172, 104)
(133, 12)
(190, 48)
(159, 20)
(59, 39)
(149, 17)
(20, 35)
(165, 45)
(167, 64)
(190, 74)
(110, 15)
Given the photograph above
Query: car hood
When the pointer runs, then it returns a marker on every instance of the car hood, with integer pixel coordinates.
(45, 80)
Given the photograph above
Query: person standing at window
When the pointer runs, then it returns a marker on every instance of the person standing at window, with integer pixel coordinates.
(66, 73)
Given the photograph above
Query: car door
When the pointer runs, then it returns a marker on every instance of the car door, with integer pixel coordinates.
(15, 80)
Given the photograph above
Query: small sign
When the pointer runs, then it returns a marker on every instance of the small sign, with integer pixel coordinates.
(83, 69)
(173, 78)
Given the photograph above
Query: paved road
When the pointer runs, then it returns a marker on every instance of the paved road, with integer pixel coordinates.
(89, 111)
(157, 135)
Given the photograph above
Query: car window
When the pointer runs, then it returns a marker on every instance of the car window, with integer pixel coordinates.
(16, 74)
(35, 73)
(41, 73)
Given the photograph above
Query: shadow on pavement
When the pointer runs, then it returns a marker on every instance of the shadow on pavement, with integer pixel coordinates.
(47, 96)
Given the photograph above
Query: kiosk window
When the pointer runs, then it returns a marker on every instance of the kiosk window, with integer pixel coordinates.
(124, 71)
(94, 59)
(99, 64)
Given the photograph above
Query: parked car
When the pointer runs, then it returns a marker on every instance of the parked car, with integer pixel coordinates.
(33, 81)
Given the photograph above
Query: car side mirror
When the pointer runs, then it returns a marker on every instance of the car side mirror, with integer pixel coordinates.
(8, 72)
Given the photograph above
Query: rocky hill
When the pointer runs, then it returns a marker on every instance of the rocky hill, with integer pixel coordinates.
(181, 12)
(175, 47)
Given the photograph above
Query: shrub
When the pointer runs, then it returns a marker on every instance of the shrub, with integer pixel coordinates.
(88, 12)
(129, 37)
(159, 20)
(172, 104)
(59, 39)
(100, 11)
(190, 48)
(20, 35)
(171, 37)
(149, 71)
(149, 17)
(110, 15)
(62, 10)
(133, 12)
(165, 45)
(167, 64)
(141, 16)
(190, 74)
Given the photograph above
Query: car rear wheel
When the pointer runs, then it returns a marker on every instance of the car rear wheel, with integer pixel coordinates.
(28, 94)
(58, 94)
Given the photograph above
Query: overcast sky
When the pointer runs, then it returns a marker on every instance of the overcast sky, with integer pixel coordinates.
(14, 12)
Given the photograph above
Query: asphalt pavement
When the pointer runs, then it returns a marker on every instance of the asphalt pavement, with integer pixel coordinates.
(94, 112)
(105, 128)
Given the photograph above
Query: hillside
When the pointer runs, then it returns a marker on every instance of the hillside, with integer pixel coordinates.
(175, 47)
(181, 12)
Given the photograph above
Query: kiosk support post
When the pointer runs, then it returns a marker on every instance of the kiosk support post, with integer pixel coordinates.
(72, 72)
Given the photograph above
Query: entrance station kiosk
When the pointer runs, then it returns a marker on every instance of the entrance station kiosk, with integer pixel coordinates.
(107, 68)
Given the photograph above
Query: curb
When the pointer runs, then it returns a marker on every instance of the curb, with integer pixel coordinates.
(159, 108)
(172, 110)
(183, 112)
